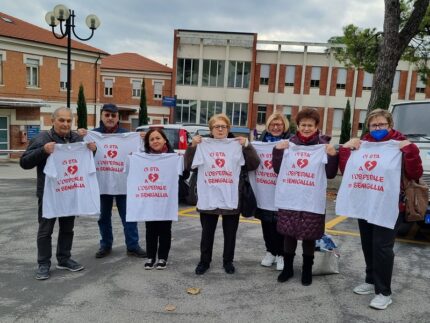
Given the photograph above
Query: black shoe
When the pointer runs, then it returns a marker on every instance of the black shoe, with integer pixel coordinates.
(149, 264)
(228, 267)
(288, 271)
(138, 252)
(161, 264)
(103, 252)
(70, 265)
(42, 272)
(308, 261)
(201, 268)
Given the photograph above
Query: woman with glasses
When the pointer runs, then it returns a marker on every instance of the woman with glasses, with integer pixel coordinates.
(298, 224)
(219, 161)
(377, 241)
(277, 128)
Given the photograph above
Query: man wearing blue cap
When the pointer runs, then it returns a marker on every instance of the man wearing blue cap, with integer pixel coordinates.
(109, 123)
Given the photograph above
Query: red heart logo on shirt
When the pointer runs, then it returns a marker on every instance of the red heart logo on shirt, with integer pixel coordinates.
(302, 163)
(220, 162)
(72, 169)
(268, 164)
(370, 164)
(112, 153)
(153, 177)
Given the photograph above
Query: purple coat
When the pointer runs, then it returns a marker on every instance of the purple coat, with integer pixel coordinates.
(303, 225)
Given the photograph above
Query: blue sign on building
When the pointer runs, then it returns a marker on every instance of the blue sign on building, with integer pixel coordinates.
(169, 101)
(32, 131)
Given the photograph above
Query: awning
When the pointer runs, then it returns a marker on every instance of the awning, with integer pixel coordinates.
(21, 103)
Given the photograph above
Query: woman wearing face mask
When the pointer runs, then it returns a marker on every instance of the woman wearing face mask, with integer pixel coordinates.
(377, 242)
(277, 128)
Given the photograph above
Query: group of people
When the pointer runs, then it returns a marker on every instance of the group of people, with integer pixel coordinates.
(295, 211)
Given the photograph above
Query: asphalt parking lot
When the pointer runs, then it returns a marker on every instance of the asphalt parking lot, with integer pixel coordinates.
(118, 289)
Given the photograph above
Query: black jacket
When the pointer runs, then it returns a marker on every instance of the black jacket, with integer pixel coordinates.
(35, 155)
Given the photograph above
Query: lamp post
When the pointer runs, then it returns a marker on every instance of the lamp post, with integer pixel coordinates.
(66, 18)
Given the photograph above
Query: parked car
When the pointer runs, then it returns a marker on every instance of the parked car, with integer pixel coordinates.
(413, 120)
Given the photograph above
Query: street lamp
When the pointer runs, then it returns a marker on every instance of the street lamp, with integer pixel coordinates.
(63, 15)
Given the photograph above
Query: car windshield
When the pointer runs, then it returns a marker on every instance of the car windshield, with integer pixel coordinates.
(412, 119)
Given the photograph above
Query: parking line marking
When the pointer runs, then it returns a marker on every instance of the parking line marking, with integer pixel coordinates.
(333, 222)
(356, 234)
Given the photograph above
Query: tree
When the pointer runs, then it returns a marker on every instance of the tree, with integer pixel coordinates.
(143, 112)
(345, 133)
(380, 52)
(82, 108)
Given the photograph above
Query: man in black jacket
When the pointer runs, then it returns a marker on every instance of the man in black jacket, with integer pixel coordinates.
(36, 155)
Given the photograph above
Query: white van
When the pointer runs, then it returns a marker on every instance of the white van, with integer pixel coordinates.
(413, 120)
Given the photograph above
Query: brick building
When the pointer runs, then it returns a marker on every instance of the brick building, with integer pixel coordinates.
(249, 79)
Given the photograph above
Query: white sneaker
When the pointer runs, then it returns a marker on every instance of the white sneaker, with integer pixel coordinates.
(268, 260)
(381, 302)
(279, 263)
(364, 289)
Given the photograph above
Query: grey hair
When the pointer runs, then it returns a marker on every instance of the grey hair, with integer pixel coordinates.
(56, 111)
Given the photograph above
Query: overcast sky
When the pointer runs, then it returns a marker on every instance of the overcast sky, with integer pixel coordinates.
(146, 26)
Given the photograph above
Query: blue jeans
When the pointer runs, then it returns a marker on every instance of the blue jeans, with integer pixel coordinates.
(105, 222)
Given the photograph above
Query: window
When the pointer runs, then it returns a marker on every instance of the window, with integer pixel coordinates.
(290, 75)
(32, 72)
(136, 88)
(396, 82)
(421, 86)
(337, 119)
(264, 74)
(261, 114)
(362, 119)
(238, 113)
(63, 76)
(287, 110)
(238, 74)
(341, 78)
(186, 111)
(1, 68)
(134, 123)
(158, 89)
(208, 109)
(108, 87)
(213, 73)
(367, 81)
(187, 71)
(315, 76)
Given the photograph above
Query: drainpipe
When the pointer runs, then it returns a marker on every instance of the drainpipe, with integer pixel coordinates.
(95, 91)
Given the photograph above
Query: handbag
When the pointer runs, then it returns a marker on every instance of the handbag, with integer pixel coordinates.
(416, 199)
(248, 201)
(326, 262)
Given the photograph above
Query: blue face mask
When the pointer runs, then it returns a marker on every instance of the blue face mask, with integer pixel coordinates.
(379, 134)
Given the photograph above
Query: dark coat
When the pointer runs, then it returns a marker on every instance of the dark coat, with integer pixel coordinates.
(35, 155)
(251, 163)
(303, 225)
(262, 214)
(103, 129)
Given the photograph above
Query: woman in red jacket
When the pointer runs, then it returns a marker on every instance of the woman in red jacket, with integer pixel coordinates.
(377, 242)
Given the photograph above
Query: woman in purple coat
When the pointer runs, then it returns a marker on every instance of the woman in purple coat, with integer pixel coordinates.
(303, 225)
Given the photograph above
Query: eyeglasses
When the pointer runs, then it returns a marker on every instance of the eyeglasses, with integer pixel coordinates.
(276, 125)
(220, 127)
(110, 115)
(378, 125)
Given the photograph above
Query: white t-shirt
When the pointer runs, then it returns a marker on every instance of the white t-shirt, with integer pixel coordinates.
(218, 162)
(152, 187)
(263, 179)
(71, 186)
(111, 158)
(370, 185)
(302, 180)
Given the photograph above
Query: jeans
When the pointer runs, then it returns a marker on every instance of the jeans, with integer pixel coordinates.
(209, 222)
(158, 237)
(377, 243)
(105, 222)
(44, 237)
